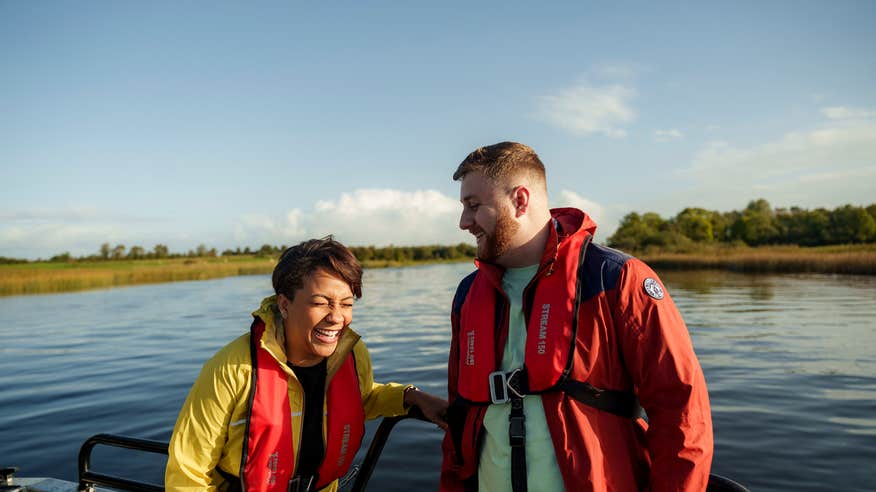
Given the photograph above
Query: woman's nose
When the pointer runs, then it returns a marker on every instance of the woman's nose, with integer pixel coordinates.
(335, 315)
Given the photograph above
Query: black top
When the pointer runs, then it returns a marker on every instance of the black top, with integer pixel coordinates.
(312, 448)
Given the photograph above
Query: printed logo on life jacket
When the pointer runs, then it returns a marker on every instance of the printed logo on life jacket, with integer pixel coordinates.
(469, 350)
(273, 459)
(345, 443)
(653, 289)
(542, 328)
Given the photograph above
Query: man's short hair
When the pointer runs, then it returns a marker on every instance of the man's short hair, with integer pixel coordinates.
(302, 260)
(501, 161)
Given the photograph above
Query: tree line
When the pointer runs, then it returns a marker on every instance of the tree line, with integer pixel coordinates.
(757, 225)
(392, 253)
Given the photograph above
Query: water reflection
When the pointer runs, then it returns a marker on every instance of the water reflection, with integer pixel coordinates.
(790, 361)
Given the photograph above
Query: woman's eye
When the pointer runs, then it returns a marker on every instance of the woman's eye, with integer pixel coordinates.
(347, 305)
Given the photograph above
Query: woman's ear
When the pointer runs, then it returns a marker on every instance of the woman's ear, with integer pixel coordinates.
(283, 303)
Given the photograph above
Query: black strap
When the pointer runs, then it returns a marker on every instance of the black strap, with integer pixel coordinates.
(620, 403)
(517, 439)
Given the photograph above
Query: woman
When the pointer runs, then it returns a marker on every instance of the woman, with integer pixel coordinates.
(283, 406)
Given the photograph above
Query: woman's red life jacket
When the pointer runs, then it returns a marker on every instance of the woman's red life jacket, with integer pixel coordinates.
(549, 335)
(269, 459)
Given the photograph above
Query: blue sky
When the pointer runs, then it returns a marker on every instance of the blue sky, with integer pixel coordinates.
(239, 124)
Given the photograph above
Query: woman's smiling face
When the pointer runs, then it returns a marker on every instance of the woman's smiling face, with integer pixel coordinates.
(315, 317)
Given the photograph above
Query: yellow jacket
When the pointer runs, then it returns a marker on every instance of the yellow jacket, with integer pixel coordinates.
(210, 429)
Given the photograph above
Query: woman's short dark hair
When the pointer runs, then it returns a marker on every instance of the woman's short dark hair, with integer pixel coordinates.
(302, 260)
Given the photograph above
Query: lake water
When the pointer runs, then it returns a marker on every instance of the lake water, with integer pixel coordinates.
(790, 361)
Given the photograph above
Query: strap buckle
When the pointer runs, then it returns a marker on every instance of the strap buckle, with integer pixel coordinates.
(505, 385)
(498, 385)
(517, 430)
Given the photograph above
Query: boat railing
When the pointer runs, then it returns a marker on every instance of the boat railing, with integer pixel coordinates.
(89, 479)
(360, 475)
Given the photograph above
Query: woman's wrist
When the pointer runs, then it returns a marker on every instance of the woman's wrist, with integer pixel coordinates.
(407, 395)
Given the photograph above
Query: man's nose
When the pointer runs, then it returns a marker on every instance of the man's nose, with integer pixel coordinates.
(465, 220)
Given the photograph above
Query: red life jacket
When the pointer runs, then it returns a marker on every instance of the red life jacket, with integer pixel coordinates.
(268, 461)
(550, 333)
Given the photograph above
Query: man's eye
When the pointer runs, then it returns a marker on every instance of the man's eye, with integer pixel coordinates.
(347, 305)
(473, 207)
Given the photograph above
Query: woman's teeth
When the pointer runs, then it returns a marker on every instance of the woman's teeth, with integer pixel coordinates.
(327, 333)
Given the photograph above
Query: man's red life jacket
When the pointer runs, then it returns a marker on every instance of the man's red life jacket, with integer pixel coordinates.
(268, 463)
(551, 328)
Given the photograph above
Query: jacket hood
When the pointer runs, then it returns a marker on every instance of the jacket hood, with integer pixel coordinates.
(567, 222)
(572, 221)
(274, 338)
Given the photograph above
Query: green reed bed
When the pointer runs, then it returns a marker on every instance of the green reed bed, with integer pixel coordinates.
(42, 278)
(47, 277)
(850, 259)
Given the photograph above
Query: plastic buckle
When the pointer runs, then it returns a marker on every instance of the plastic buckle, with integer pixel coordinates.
(511, 381)
(498, 387)
(517, 430)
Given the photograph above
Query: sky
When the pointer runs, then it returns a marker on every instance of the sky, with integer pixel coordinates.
(235, 124)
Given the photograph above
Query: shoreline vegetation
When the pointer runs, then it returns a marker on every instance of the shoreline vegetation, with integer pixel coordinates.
(757, 239)
(113, 268)
(854, 259)
(44, 277)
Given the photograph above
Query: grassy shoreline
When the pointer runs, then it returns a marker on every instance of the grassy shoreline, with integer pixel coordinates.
(50, 278)
(845, 259)
(45, 278)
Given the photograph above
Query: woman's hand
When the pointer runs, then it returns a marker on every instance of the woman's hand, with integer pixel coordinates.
(433, 408)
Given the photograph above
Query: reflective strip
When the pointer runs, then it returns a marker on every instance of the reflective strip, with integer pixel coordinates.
(239, 422)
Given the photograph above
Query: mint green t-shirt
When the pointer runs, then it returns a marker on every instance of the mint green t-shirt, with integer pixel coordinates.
(494, 466)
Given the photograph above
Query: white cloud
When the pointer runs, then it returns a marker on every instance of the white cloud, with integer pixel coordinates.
(607, 217)
(48, 238)
(363, 217)
(667, 135)
(78, 229)
(831, 164)
(572, 199)
(845, 113)
(586, 109)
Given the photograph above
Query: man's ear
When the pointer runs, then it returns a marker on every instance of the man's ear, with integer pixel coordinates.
(521, 200)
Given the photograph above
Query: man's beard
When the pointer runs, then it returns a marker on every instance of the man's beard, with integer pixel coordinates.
(499, 242)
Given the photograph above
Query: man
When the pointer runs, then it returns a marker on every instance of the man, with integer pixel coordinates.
(556, 341)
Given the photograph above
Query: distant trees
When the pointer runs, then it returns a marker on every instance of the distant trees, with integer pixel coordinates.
(414, 253)
(758, 224)
(118, 252)
(402, 254)
(160, 251)
(105, 251)
(136, 253)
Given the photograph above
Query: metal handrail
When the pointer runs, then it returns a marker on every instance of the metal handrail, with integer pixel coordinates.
(377, 444)
(89, 479)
